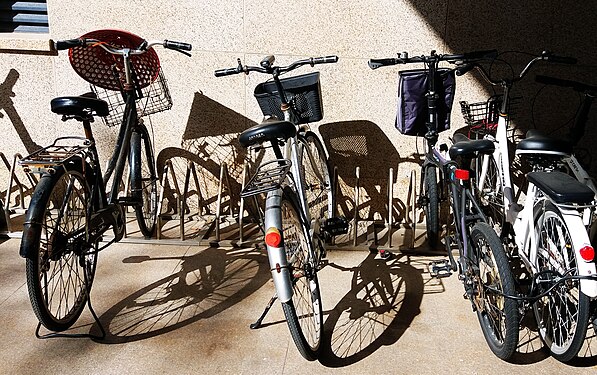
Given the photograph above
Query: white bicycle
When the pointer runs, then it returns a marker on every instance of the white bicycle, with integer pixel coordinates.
(548, 230)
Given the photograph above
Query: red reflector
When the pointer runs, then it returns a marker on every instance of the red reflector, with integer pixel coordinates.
(587, 253)
(273, 237)
(461, 174)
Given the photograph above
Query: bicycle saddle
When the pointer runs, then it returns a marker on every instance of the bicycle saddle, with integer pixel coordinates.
(470, 147)
(538, 143)
(268, 130)
(85, 104)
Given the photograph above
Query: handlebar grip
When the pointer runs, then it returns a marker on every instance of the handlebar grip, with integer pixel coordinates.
(68, 44)
(227, 72)
(561, 59)
(325, 60)
(177, 45)
(464, 68)
(377, 63)
(479, 55)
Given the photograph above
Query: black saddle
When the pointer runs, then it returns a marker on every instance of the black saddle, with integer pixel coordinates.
(84, 105)
(538, 143)
(267, 131)
(469, 147)
(562, 188)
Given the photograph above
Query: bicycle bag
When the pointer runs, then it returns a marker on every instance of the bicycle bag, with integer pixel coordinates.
(412, 110)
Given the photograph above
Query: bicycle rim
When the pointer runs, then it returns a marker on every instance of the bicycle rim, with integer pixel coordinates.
(304, 311)
(61, 271)
(562, 315)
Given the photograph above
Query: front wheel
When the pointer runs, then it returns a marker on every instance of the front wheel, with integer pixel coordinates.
(60, 264)
(144, 180)
(498, 315)
(563, 314)
(431, 205)
(304, 311)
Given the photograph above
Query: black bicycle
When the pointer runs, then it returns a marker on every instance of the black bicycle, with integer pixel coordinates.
(482, 264)
(71, 210)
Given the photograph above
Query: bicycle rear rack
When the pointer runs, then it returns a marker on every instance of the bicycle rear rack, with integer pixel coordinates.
(269, 176)
(45, 160)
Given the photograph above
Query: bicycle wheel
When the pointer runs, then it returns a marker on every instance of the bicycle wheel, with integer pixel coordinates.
(497, 314)
(563, 314)
(431, 206)
(318, 181)
(144, 186)
(491, 195)
(60, 265)
(304, 311)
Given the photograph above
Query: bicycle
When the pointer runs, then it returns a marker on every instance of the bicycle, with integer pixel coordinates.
(482, 264)
(70, 210)
(299, 205)
(548, 232)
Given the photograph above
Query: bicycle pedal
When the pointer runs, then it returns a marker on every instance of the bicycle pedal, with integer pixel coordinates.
(440, 269)
(335, 226)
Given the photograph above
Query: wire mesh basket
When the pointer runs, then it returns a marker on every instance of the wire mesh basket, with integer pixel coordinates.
(303, 92)
(482, 117)
(156, 98)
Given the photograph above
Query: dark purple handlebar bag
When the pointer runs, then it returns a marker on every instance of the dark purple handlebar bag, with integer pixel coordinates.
(412, 103)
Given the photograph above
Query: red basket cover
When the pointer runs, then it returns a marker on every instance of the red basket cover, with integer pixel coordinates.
(105, 70)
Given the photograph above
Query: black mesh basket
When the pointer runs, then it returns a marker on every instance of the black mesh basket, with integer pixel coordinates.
(303, 92)
(156, 98)
(482, 117)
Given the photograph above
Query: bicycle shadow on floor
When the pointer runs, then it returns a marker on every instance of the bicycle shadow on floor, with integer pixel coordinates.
(383, 300)
(205, 284)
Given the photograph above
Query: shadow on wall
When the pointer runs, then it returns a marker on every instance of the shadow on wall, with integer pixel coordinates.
(7, 108)
(362, 144)
(209, 141)
(564, 28)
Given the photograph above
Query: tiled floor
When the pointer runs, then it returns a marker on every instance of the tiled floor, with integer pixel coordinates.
(163, 315)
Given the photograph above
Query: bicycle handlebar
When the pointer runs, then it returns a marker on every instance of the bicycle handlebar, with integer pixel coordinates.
(576, 86)
(433, 57)
(266, 66)
(144, 47)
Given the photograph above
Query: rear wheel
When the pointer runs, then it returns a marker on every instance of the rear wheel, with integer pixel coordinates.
(60, 265)
(563, 314)
(304, 311)
(144, 180)
(498, 315)
(431, 205)
(490, 194)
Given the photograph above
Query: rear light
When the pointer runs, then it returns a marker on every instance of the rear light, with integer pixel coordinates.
(461, 174)
(273, 237)
(587, 253)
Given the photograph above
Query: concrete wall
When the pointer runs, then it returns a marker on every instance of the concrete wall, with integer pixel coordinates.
(359, 103)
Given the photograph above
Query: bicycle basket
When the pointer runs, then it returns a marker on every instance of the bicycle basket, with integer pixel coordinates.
(482, 117)
(156, 98)
(303, 91)
(105, 70)
(412, 113)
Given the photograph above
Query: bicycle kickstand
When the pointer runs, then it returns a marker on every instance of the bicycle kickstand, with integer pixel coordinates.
(257, 323)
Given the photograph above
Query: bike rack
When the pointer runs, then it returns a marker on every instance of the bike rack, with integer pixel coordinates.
(212, 231)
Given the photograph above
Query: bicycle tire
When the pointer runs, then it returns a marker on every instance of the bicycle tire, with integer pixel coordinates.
(318, 179)
(498, 315)
(431, 206)
(304, 314)
(563, 339)
(59, 270)
(144, 180)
